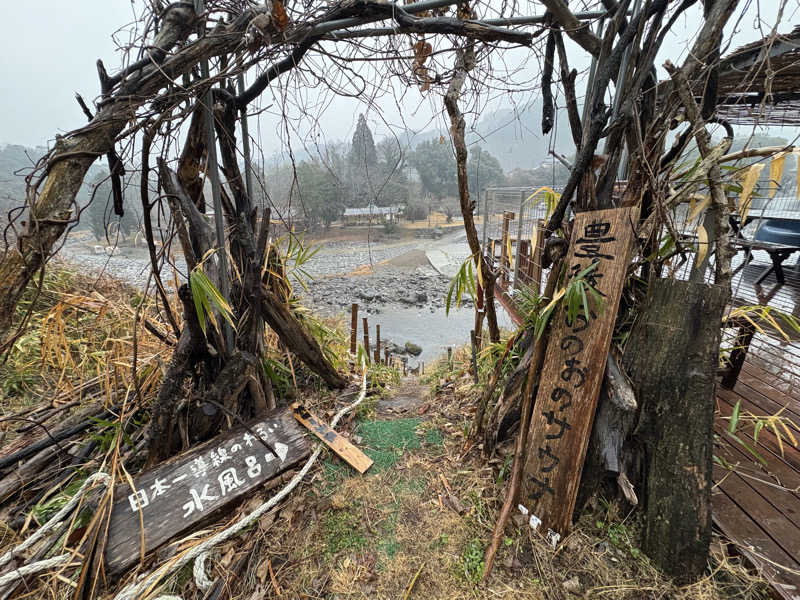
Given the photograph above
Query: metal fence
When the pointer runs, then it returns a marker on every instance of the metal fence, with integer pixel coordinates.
(510, 217)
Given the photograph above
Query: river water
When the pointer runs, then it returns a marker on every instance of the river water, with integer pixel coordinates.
(434, 331)
(402, 291)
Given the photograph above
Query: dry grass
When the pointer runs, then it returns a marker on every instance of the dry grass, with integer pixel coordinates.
(78, 344)
(417, 524)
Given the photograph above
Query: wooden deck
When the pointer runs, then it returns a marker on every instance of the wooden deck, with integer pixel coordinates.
(756, 499)
(757, 505)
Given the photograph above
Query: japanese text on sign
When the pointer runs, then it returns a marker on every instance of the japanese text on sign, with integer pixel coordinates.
(592, 245)
(243, 456)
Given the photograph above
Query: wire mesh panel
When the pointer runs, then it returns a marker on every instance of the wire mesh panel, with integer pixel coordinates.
(511, 217)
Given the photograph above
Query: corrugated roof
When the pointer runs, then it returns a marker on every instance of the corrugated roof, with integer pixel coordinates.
(372, 210)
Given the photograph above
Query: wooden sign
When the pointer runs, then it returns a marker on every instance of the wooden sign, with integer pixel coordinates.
(573, 370)
(338, 443)
(175, 496)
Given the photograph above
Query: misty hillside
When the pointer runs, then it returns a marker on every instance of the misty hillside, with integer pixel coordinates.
(516, 140)
(15, 163)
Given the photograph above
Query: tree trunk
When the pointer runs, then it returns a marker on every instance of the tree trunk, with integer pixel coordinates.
(672, 359)
(465, 61)
(51, 208)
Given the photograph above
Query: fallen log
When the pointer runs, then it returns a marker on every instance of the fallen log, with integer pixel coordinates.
(295, 337)
(81, 423)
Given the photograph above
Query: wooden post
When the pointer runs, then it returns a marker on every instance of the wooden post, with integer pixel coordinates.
(386, 356)
(736, 361)
(672, 358)
(479, 314)
(365, 326)
(518, 250)
(377, 343)
(573, 370)
(449, 358)
(537, 254)
(353, 327)
(474, 355)
(524, 261)
(505, 259)
(485, 216)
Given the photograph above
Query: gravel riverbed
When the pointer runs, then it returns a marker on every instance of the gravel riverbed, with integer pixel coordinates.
(392, 282)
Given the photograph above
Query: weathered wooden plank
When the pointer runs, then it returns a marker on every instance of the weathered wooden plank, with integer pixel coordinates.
(353, 327)
(573, 370)
(761, 381)
(505, 256)
(339, 444)
(672, 357)
(753, 542)
(537, 256)
(181, 493)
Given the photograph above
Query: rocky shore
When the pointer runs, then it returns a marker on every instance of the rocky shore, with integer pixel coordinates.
(393, 283)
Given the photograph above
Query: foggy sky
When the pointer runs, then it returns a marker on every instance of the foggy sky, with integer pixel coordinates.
(50, 49)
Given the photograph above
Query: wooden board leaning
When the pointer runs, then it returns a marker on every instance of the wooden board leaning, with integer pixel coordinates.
(338, 443)
(573, 369)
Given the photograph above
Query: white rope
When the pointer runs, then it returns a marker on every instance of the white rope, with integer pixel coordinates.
(25, 570)
(56, 519)
(137, 590)
(201, 580)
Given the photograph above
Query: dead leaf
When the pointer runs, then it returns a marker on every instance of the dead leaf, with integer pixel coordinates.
(266, 521)
(252, 504)
(262, 572)
(776, 172)
(454, 503)
(227, 558)
(279, 16)
(702, 244)
(573, 585)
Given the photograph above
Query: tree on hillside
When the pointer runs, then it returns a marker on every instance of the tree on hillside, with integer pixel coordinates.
(363, 165)
(483, 171)
(392, 177)
(434, 163)
(319, 192)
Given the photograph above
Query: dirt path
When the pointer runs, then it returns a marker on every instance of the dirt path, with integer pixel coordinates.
(406, 401)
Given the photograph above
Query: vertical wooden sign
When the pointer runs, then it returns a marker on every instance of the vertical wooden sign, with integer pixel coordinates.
(573, 370)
